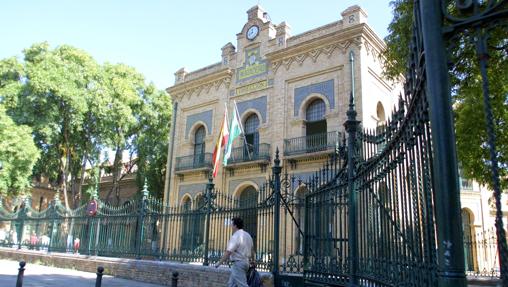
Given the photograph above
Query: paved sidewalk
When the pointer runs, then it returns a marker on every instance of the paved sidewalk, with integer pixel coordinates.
(43, 276)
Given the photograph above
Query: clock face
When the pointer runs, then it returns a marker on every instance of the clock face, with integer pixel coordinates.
(252, 32)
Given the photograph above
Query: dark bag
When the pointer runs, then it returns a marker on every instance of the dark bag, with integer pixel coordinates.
(253, 278)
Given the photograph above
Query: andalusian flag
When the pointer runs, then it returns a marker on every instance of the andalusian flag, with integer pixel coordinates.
(236, 130)
(222, 140)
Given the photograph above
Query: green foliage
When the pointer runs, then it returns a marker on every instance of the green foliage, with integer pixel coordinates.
(470, 124)
(18, 155)
(466, 83)
(78, 108)
(153, 140)
(398, 39)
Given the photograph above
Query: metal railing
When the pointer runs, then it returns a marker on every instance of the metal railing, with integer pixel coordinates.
(202, 160)
(250, 153)
(313, 143)
(482, 254)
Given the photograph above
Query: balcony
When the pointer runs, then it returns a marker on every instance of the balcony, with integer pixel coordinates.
(199, 161)
(260, 152)
(311, 144)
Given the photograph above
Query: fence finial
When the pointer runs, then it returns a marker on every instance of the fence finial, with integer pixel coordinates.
(277, 159)
(145, 188)
(352, 97)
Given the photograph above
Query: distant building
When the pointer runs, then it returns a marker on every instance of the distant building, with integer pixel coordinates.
(43, 192)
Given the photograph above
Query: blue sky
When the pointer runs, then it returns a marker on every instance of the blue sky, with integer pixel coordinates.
(158, 37)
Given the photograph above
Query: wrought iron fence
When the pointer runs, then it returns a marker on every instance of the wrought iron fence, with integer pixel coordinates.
(200, 234)
(482, 254)
(126, 231)
(383, 211)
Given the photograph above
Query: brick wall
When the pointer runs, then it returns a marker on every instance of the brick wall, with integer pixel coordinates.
(158, 272)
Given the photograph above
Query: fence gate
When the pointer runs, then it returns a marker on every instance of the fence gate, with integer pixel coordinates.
(390, 216)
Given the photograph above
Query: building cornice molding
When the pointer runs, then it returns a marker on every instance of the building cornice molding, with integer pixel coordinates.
(359, 35)
(205, 83)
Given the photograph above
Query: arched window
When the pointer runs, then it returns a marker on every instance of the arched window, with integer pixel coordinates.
(380, 112)
(469, 244)
(381, 124)
(251, 135)
(248, 204)
(315, 126)
(199, 146)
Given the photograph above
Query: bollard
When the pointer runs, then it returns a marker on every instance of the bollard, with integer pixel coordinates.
(98, 281)
(19, 282)
(174, 280)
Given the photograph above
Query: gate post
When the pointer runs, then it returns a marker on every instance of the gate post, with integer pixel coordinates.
(351, 126)
(208, 197)
(141, 220)
(276, 170)
(445, 175)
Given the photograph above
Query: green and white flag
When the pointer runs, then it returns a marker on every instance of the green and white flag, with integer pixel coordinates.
(235, 130)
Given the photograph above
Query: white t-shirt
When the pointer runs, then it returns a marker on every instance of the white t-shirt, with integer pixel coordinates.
(240, 246)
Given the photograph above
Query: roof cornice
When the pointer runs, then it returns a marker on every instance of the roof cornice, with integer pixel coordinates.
(193, 84)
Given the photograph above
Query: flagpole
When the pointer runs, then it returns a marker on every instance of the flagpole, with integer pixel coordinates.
(243, 132)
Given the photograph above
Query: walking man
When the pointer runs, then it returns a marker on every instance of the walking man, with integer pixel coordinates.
(239, 251)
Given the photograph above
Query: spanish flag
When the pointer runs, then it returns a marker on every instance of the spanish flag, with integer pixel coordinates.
(222, 140)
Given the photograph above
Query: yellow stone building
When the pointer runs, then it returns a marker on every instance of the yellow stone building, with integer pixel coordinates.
(292, 93)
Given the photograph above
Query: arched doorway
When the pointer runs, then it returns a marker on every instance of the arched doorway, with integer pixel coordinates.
(469, 246)
(199, 215)
(251, 125)
(185, 238)
(248, 205)
(300, 218)
(315, 125)
(199, 146)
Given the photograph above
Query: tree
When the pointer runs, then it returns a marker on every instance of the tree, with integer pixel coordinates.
(152, 140)
(139, 125)
(77, 109)
(465, 80)
(124, 87)
(51, 97)
(18, 155)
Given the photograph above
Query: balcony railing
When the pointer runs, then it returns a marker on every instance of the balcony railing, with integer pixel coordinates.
(203, 160)
(312, 143)
(252, 153)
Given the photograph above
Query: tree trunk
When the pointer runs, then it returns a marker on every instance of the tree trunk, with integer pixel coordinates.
(65, 161)
(116, 175)
(64, 183)
(79, 186)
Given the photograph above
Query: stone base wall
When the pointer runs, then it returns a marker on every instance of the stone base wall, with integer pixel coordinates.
(157, 272)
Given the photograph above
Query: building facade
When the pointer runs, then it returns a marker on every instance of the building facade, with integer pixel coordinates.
(292, 93)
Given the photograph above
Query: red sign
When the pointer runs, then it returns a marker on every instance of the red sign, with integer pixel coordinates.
(91, 209)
